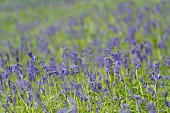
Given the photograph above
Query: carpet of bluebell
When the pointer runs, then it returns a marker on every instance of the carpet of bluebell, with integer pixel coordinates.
(85, 56)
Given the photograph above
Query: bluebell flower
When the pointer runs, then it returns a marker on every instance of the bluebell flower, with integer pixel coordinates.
(109, 64)
(140, 17)
(165, 94)
(150, 106)
(167, 103)
(112, 28)
(63, 110)
(137, 63)
(51, 31)
(162, 45)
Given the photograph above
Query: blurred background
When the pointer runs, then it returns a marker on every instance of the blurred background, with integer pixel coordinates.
(14, 12)
(51, 24)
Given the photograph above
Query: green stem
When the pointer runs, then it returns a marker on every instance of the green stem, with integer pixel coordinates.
(125, 87)
(138, 79)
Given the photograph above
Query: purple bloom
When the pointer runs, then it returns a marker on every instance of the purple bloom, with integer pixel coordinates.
(83, 98)
(125, 111)
(29, 99)
(116, 70)
(167, 62)
(126, 60)
(30, 54)
(158, 77)
(131, 35)
(64, 72)
(107, 52)
(162, 45)
(152, 111)
(147, 28)
(108, 64)
(157, 9)
(64, 55)
(137, 96)
(51, 31)
(41, 63)
(72, 22)
(72, 101)
(165, 94)
(113, 42)
(2, 61)
(112, 28)
(17, 59)
(148, 49)
(140, 101)
(99, 86)
(137, 63)
(54, 72)
(150, 64)
(7, 59)
(140, 17)
(150, 106)
(107, 83)
(106, 91)
(63, 110)
(100, 61)
(167, 103)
